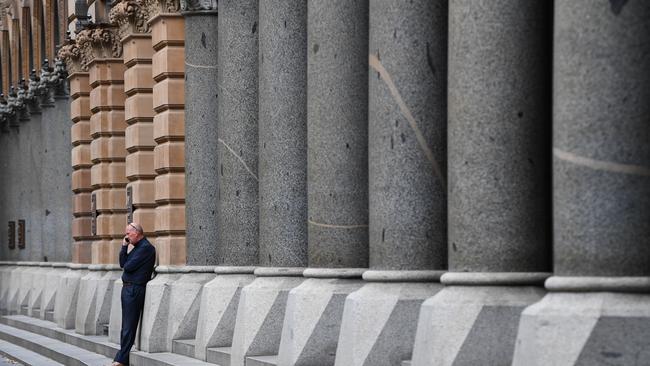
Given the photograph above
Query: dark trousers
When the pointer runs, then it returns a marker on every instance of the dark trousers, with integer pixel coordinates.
(132, 304)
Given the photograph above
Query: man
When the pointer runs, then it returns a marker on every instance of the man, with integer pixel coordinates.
(137, 258)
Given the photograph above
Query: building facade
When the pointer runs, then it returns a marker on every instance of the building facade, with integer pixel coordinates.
(341, 182)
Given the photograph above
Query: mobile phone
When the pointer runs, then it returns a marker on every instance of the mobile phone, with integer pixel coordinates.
(126, 239)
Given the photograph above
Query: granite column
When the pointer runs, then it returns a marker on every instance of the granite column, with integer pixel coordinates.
(597, 311)
(337, 175)
(238, 214)
(282, 169)
(499, 98)
(407, 182)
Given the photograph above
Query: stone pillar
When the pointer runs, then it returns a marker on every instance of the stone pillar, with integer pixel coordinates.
(139, 142)
(201, 146)
(219, 297)
(407, 182)
(167, 38)
(499, 183)
(237, 221)
(238, 209)
(108, 174)
(596, 311)
(283, 164)
(337, 160)
(81, 164)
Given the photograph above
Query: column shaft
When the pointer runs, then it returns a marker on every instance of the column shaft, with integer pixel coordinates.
(337, 118)
(167, 37)
(81, 165)
(201, 142)
(283, 133)
(238, 212)
(108, 175)
(139, 143)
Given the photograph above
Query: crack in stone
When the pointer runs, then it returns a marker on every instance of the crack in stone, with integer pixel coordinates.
(406, 112)
(607, 166)
(336, 226)
(248, 169)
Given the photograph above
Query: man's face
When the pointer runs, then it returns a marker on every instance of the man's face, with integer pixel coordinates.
(132, 234)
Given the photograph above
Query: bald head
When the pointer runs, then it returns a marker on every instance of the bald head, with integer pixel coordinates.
(134, 232)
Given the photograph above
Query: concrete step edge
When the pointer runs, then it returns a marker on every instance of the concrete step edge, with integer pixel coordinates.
(25, 356)
(53, 349)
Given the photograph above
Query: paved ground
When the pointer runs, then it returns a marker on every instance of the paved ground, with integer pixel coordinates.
(7, 362)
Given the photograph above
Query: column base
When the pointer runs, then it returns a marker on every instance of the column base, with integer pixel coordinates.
(52, 284)
(184, 302)
(39, 278)
(95, 298)
(587, 322)
(380, 319)
(473, 320)
(65, 308)
(13, 302)
(5, 286)
(260, 313)
(219, 301)
(115, 322)
(153, 328)
(26, 287)
(312, 320)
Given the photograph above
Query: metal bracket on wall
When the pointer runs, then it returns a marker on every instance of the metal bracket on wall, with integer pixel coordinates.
(93, 210)
(11, 234)
(129, 204)
(21, 234)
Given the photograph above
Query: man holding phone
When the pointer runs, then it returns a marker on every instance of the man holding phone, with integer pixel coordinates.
(137, 259)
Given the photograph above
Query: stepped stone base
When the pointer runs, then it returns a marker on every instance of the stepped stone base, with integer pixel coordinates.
(594, 328)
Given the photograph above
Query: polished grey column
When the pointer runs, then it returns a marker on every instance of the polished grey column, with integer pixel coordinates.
(337, 175)
(238, 210)
(201, 138)
(499, 182)
(283, 178)
(407, 181)
(597, 310)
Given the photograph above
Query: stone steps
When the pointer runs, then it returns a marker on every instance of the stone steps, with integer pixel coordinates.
(261, 361)
(183, 347)
(25, 356)
(97, 345)
(53, 349)
(218, 355)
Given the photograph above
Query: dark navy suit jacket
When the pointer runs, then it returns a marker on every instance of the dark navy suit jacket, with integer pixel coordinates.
(138, 265)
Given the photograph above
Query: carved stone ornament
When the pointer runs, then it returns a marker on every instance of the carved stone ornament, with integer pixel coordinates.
(198, 5)
(102, 40)
(157, 7)
(75, 60)
(130, 16)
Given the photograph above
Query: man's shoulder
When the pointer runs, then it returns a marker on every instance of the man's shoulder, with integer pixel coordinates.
(148, 245)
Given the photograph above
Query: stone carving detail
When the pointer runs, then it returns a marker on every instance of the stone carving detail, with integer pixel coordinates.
(198, 5)
(75, 59)
(130, 16)
(157, 7)
(101, 39)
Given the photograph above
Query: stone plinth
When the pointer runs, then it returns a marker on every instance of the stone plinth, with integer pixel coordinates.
(218, 309)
